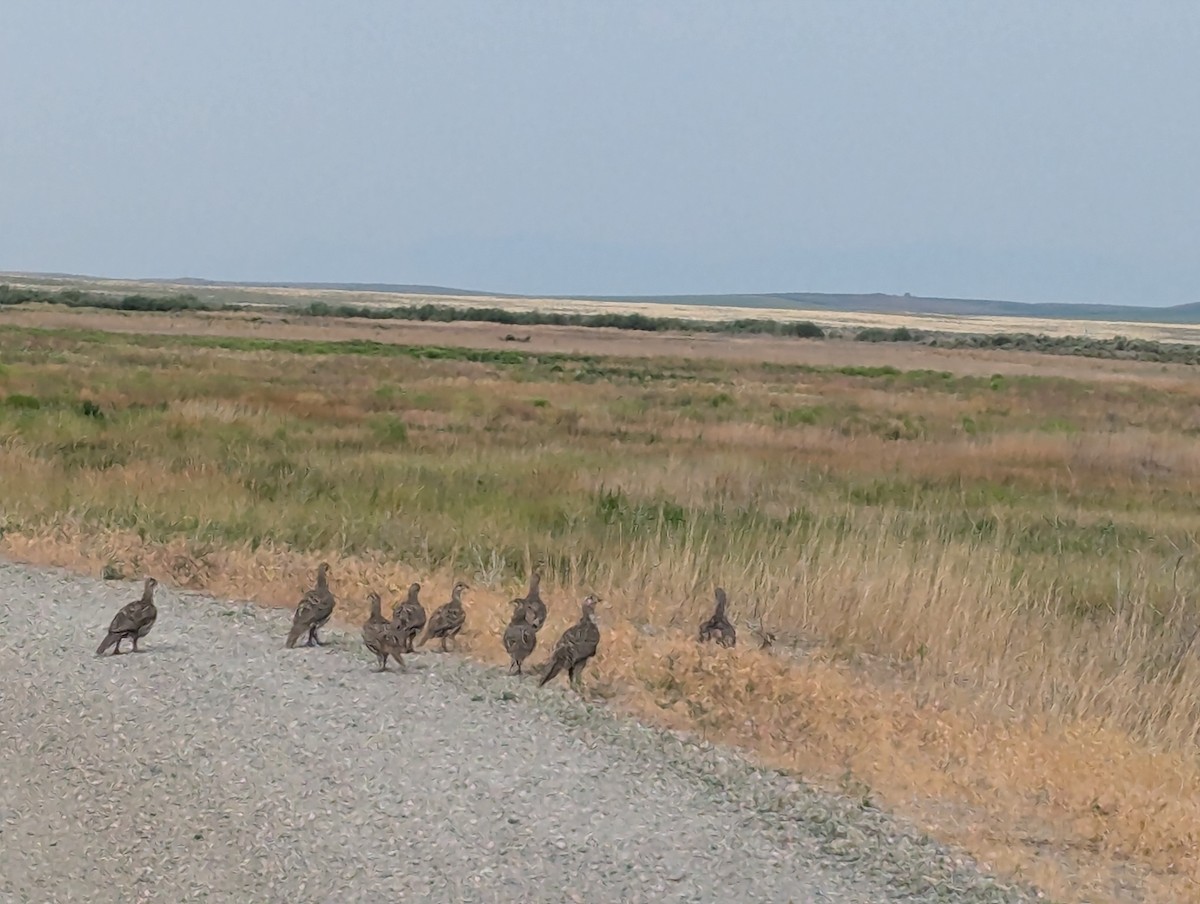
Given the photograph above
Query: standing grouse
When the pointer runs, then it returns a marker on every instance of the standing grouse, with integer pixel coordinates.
(408, 618)
(576, 646)
(134, 621)
(520, 637)
(535, 608)
(380, 636)
(313, 611)
(448, 619)
(719, 628)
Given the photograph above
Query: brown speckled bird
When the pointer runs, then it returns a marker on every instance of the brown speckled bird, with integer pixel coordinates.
(408, 618)
(576, 646)
(313, 611)
(380, 636)
(520, 637)
(718, 627)
(535, 608)
(133, 621)
(448, 619)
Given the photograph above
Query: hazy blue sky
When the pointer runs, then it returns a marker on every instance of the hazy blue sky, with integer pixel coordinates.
(1042, 151)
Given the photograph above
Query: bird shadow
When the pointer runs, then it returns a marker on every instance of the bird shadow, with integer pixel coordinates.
(145, 651)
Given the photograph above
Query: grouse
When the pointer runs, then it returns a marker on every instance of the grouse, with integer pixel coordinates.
(448, 619)
(719, 628)
(134, 621)
(313, 611)
(408, 618)
(576, 646)
(380, 636)
(535, 609)
(520, 637)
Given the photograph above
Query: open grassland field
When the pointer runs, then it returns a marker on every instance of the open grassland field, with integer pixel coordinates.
(370, 337)
(980, 568)
(297, 297)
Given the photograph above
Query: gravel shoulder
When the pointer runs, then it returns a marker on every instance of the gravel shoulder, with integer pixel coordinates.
(219, 766)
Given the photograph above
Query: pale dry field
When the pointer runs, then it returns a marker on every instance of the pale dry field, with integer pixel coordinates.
(271, 296)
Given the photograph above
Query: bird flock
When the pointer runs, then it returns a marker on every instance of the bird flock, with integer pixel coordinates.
(391, 638)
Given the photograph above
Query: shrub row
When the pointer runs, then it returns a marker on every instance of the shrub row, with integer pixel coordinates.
(1122, 347)
(448, 314)
(10, 295)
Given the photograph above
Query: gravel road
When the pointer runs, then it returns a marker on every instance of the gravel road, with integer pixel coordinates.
(218, 766)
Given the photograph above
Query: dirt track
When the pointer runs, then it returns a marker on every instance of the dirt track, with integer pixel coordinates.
(219, 766)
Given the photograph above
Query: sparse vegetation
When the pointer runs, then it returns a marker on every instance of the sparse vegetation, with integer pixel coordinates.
(424, 312)
(1116, 348)
(979, 585)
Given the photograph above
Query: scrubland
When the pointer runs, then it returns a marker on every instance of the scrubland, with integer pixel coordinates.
(981, 585)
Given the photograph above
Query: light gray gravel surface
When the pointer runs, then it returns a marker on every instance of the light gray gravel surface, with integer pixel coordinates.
(219, 766)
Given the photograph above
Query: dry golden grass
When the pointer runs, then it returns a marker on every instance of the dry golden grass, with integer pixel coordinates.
(1081, 811)
(981, 586)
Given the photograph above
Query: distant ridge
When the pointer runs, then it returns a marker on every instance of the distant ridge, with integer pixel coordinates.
(873, 303)
(393, 288)
(866, 303)
(881, 303)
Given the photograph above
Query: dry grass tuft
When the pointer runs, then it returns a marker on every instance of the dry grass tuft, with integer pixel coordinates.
(1059, 807)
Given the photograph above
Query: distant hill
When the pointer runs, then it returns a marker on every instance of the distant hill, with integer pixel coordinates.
(879, 303)
(394, 288)
(874, 303)
(965, 307)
